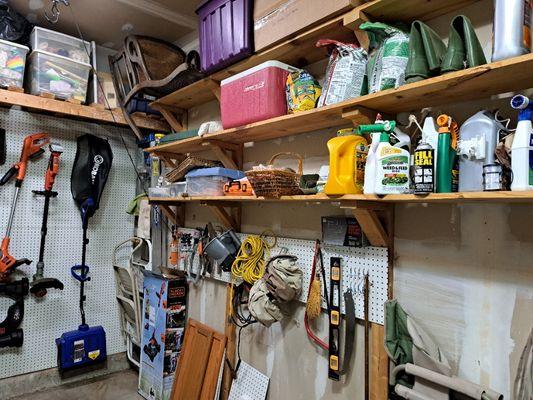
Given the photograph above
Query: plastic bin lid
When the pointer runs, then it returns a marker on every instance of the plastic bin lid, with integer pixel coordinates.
(64, 35)
(266, 64)
(63, 58)
(20, 46)
(216, 171)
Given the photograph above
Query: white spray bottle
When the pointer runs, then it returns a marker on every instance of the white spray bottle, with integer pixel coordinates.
(522, 148)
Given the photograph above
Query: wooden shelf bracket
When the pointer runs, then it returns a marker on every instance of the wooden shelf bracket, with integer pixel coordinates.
(359, 116)
(175, 117)
(176, 216)
(230, 220)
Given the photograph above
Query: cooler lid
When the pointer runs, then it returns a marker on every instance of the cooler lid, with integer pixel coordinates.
(266, 64)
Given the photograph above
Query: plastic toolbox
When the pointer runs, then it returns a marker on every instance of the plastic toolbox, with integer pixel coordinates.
(210, 181)
(226, 32)
(60, 44)
(58, 75)
(255, 94)
(12, 64)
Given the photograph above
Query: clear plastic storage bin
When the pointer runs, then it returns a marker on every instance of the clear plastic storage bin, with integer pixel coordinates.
(206, 185)
(60, 44)
(12, 64)
(60, 76)
(159, 191)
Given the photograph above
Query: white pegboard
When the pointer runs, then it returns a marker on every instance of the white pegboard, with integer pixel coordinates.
(250, 384)
(355, 264)
(46, 319)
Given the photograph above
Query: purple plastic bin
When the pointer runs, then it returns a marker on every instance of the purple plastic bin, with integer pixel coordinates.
(226, 32)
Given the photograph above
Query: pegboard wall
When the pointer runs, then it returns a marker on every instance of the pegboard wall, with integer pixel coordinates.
(46, 319)
(355, 264)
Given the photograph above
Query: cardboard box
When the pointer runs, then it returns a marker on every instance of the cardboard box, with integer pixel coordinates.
(275, 20)
(164, 318)
(342, 231)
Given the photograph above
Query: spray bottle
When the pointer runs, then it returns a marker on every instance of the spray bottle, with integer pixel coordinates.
(446, 153)
(522, 148)
(370, 166)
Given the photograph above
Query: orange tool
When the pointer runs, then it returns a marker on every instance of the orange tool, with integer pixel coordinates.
(31, 149)
(240, 187)
(40, 284)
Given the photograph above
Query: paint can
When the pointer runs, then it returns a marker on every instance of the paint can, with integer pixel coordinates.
(424, 171)
(492, 177)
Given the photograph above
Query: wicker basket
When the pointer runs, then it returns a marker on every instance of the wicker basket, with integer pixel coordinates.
(188, 164)
(276, 182)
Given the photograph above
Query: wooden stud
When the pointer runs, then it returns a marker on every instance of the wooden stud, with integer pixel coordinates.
(231, 347)
(379, 364)
(224, 217)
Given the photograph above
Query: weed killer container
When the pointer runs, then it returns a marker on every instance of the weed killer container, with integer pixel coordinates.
(391, 163)
(512, 28)
(347, 157)
(522, 148)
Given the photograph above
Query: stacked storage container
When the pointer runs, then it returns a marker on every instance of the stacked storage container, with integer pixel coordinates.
(59, 65)
(12, 63)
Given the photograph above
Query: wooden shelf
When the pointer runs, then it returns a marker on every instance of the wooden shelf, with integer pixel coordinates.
(470, 84)
(299, 51)
(464, 197)
(57, 107)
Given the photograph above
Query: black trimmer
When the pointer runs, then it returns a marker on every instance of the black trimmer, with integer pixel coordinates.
(40, 284)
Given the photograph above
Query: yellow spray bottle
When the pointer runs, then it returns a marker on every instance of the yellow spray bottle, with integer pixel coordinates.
(347, 157)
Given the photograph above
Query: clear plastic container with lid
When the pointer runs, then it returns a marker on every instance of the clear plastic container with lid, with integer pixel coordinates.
(12, 63)
(60, 44)
(57, 75)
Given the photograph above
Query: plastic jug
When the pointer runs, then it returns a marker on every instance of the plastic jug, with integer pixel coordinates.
(512, 28)
(478, 138)
(522, 148)
(347, 157)
(392, 168)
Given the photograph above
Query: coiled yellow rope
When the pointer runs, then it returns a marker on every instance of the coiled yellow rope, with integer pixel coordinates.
(249, 265)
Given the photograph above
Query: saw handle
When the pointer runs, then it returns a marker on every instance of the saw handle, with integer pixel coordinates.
(52, 170)
(82, 275)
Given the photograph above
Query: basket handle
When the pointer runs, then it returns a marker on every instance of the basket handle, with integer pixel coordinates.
(289, 153)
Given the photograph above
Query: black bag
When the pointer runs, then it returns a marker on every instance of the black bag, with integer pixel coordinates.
(13, 26)
(89, 173)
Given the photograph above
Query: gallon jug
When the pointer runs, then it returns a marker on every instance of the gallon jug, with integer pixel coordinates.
(522, 148)
(370, 166)
(478, 138)
(512, 28)
(347, 157)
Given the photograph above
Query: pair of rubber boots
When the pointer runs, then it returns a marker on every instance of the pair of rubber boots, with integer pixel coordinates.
(429, 56)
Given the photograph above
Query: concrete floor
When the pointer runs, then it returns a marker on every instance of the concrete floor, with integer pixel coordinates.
(118, 386)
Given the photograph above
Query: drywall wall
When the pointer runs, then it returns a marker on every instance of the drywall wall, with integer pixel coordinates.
(463, 272)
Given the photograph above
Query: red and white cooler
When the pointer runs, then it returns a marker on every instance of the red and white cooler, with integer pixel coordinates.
(255, 94)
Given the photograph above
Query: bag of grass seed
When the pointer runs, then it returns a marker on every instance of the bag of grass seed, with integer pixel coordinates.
(389, 55)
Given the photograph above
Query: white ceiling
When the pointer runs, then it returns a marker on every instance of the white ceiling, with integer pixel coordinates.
(108, 22)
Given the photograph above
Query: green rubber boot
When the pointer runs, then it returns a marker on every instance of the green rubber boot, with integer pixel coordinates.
(464, 49)
(426, 52)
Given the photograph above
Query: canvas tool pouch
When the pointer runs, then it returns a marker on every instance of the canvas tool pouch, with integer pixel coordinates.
(262, 308)
(283, 278)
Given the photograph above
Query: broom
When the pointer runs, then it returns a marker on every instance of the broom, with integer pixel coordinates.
(314, 296)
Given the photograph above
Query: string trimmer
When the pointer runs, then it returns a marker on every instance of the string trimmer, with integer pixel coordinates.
(40, 284)
(31, 149)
